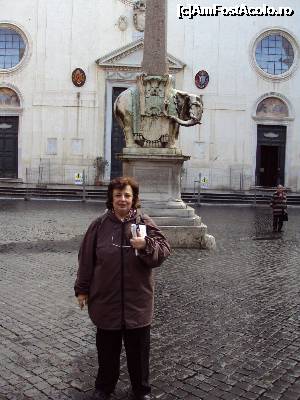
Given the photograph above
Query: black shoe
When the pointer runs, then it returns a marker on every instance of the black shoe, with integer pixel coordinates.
(100, 395)
(132, 396)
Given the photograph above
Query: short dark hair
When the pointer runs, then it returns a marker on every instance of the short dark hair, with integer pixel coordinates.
(120, 183)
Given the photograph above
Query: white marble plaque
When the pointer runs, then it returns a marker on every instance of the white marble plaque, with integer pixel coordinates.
(52, 146)
(153, 180)
(76, 146)
(199, 150)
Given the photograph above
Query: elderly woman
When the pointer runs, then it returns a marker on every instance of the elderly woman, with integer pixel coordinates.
(115, 280)
(279, 206)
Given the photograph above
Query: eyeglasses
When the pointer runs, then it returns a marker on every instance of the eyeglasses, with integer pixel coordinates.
(119, 245)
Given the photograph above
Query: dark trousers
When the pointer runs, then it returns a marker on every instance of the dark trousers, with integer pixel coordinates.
(277, 223)
(137, 347)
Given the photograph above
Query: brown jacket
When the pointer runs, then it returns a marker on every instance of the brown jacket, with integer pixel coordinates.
(120, 284)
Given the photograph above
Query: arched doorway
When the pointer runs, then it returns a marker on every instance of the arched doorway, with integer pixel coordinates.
(9, 126)
(271, 142)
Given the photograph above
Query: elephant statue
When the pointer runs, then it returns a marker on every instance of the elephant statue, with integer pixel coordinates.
(151, 114)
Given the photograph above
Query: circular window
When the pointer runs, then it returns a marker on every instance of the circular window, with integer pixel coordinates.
(275, 54)
(12, 48)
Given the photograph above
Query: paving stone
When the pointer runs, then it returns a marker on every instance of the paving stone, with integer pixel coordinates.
(216, 392)
(290, 396)
(32, 393)
(218, 384)
(273, 395)
(230, 396)
(257, 390)
(250, 395)
(180, 394)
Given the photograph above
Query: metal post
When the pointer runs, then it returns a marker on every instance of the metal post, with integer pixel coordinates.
(26, 197)
(255, 190)
(243, 176)
(40, 181)
(230, 179)
(83, 186)
(49, 166)
(199, 191)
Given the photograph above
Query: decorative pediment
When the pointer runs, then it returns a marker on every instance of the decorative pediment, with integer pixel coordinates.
(129, 58)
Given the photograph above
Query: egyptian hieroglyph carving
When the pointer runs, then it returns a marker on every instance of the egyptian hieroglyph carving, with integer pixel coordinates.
(151, 113)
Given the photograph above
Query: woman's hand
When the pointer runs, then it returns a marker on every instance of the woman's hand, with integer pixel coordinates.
(138, 243)
(82, 300)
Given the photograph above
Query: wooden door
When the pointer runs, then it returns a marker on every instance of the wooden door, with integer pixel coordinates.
(9, 147)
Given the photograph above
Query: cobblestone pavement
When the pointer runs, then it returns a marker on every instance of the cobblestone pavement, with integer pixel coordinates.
(226, 322)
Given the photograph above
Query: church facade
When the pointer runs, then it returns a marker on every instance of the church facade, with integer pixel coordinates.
(63, 64)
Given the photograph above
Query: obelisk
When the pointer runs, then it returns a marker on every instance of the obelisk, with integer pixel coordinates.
(155, 39)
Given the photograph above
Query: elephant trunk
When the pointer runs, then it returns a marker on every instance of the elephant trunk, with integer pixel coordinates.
(189, 122)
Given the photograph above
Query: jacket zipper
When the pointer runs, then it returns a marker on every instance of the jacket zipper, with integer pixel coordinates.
(123, 325)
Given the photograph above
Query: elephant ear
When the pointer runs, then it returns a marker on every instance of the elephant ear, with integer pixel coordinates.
(183, 105)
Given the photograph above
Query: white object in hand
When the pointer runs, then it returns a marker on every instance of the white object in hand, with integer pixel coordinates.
(134, 235)
(142, 231)
(133, 230)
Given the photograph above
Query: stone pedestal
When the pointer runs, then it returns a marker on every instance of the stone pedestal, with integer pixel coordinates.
(158, 174)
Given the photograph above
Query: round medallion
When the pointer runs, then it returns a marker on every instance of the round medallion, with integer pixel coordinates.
(78, 77)
(201, 79)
